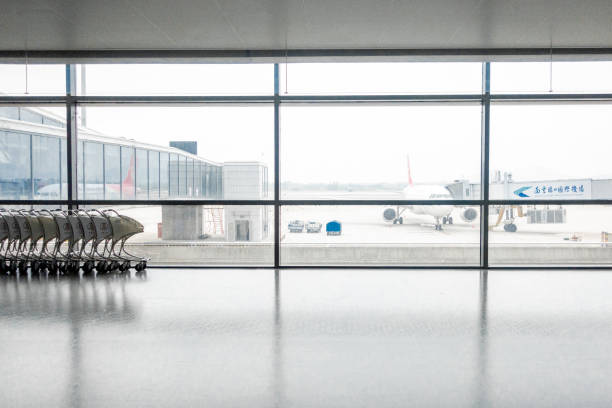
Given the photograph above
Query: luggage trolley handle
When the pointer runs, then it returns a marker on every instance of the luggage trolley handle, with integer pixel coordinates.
(100, 235)
(33, 242)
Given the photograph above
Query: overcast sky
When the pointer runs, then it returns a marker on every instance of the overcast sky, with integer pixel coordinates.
(360, 143)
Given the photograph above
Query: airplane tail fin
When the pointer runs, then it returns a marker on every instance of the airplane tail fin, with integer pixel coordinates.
(128, 181)
(409, 170)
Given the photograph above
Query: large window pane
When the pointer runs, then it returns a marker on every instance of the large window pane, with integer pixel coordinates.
(550, 235)
(30, 155)
(379, 152)
(560, 77)
(235, 141)
(203, 235)
(19, 79)
(550, 152)
(177, 79)
(381, 78)
(361, 235)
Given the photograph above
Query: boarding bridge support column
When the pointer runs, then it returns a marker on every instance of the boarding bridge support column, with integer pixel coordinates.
(182, 222)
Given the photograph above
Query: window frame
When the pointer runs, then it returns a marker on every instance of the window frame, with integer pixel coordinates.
(74, 157)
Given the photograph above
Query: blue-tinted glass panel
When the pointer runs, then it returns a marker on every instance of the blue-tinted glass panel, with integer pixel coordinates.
(205, 177)
(9, 112)
(94, 171)
(190, 190)
(182, 176)
(197, 181)
(46, 167)
(164, 175)
(15, 172)
(112, 172)
(153, 175)
(174, 175)
(142, 174)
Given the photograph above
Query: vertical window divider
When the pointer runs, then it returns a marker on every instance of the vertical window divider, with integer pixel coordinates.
(71, 135)
(484, 165)
(276, 168)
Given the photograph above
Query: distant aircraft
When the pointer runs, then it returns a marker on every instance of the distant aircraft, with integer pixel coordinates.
(52, 191)
(441, 213)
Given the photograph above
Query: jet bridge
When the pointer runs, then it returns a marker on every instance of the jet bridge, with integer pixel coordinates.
(504, 187)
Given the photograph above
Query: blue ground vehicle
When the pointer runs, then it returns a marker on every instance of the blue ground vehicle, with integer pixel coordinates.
(333, 228)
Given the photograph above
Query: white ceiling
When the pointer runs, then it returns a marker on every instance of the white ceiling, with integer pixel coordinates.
(302, 24)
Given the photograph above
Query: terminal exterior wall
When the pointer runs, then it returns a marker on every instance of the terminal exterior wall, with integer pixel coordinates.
(33, 164)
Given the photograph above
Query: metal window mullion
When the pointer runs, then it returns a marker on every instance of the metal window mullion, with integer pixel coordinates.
(276, 168)
(484, 165)
(71, 136)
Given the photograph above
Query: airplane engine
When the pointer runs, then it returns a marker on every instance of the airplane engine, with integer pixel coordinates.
(389, 214)
(469, 214)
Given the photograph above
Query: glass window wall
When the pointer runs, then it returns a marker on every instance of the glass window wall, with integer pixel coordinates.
(362, 177)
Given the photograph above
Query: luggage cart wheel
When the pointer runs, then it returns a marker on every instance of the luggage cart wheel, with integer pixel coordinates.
(13, 267)
(141, 266)
(114, 266)
(73, 268)
(35, 267)
(101, 267)
(88, 267)
(53, 268)
(23, 267)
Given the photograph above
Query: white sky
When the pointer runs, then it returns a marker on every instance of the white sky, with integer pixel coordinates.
(359, 143)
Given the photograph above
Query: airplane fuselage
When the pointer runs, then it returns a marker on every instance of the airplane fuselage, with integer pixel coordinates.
(428, 192)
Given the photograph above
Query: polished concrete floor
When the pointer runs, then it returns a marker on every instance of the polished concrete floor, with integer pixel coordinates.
(308, 338)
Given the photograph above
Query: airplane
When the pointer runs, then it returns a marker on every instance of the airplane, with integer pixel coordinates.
(52, 191)
(441, 213)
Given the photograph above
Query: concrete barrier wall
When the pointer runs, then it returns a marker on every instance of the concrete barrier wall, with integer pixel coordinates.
(262, 254)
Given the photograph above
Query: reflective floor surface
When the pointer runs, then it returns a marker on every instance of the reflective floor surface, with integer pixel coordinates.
(311, 338)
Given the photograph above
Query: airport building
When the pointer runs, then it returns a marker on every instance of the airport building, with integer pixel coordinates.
(33, 166)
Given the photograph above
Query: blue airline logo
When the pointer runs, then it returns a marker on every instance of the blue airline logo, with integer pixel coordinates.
(521, 191)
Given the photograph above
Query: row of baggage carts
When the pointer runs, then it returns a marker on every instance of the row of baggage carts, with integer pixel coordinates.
(62, 242)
